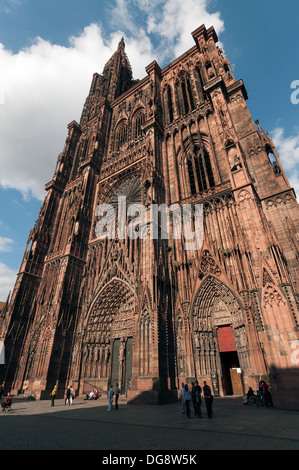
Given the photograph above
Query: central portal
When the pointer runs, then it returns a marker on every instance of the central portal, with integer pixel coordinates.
(108, 344)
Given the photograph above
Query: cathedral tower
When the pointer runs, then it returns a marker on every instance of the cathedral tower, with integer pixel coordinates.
(99, 299)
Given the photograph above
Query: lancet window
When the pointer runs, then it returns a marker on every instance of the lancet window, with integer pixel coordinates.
(137, 124)
(200, 170)
(121, 136)
(184, 94)
(188, 101)
(169, 104)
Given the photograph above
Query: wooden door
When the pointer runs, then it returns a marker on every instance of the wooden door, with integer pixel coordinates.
(236, 379)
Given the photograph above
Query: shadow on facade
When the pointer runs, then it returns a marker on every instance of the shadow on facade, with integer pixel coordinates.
(285, 388)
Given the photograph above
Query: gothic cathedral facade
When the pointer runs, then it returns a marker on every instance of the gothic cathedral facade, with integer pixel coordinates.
(145, 312)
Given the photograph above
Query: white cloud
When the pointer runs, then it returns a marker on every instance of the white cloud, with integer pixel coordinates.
(45, 85)
(175, 20)
(8, 6)
(168, 22)
(7, 281)
(5, 244)
(288, 152)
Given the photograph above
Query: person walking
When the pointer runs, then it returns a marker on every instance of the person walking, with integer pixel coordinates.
(183, 398)
(195, 389)
(69, 397)
(116, 396)
(208, 399)
(110, 398)
(53, 396)
(187, 397)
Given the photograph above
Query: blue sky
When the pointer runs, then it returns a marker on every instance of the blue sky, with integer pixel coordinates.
(49, 50)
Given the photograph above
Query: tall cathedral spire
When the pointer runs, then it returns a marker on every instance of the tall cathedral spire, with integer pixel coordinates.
(115, 79)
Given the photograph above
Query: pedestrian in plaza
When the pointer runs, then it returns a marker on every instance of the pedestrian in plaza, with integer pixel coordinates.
(116, 396)
(183, 398)
(1, 390)
(68, 397)
(248, 395)
(187, 397)
(195, 388)
(260, 389)
(110, 398)
(208, 399)
(53, 395)
(7, 402)
(266, 394)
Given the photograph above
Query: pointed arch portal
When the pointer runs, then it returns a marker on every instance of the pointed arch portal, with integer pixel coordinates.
(107, 348)
(220, 339)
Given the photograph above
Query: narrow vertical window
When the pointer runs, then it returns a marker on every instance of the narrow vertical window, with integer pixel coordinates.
(185, 99)
(209, 169)
(200, 171)
(170, 107)
(137, 125)
(191, 176)
(190, 94)
(187, 95)
(121, 136)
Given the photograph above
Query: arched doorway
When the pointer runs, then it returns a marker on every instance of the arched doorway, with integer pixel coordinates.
(221, 351)
(107, 348)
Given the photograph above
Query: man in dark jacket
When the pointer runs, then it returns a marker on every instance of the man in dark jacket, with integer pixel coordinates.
(208, 399)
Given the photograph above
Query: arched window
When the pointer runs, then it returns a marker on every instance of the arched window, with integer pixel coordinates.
(199, 75)
(185, 88)
(227, 71)
(137, 124)
(121, 136)
(200, 170)
(169, 104)
(210, 71)
(273, 161)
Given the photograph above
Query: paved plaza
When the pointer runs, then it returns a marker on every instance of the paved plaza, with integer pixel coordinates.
(87, 425)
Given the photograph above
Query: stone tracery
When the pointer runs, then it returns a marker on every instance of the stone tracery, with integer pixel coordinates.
(110, 316)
